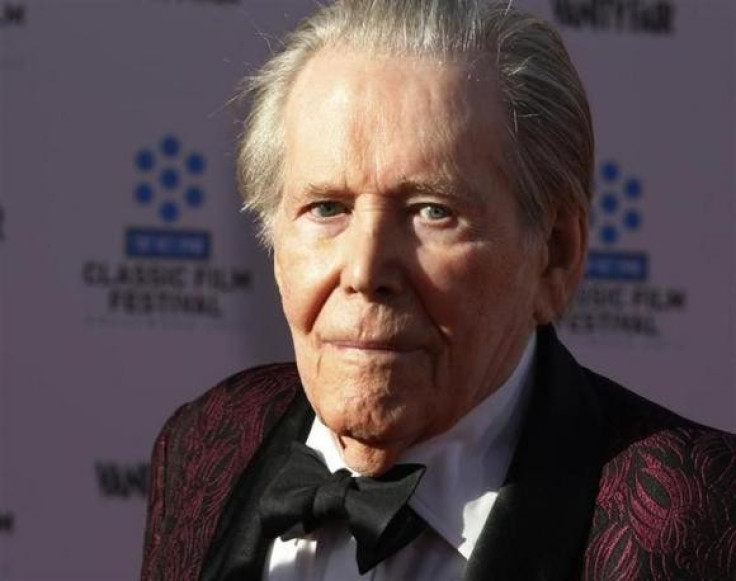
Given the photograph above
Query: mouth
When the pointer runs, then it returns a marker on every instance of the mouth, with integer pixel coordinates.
(372, 345)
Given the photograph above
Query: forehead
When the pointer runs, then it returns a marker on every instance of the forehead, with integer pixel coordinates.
(391, 117)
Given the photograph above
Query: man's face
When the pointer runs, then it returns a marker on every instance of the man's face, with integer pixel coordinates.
(408, 282)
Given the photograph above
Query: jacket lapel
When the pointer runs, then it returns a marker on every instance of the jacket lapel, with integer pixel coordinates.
(539, 524)
(238, 550)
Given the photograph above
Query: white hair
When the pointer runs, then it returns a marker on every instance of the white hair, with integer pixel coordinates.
(549, 156)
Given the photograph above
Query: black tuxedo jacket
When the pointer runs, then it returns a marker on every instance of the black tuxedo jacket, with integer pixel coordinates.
(604, 485)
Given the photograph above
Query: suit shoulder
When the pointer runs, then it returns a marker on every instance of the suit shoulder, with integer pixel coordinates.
(197, 457)
(634, 424)
(248, 401)
(261, 381)
(667, 492)
(666, 502)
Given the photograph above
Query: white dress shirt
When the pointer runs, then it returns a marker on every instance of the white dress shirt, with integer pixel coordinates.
(466, 467)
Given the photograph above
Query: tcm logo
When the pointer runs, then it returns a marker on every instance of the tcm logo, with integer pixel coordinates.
(7, 522)
(12, 15)
(169, 184)
(644, 16)
(122, 481)
(616, 215)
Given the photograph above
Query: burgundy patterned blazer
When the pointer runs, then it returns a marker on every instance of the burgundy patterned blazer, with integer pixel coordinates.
(604, 485)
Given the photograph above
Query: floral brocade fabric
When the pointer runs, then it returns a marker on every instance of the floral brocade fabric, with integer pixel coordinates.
(666, 509)
(197, 457)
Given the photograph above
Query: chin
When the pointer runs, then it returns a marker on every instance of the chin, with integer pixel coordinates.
(369, 461)
(375, 421)
(371, 441)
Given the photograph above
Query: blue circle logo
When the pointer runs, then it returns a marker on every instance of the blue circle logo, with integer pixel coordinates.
(169, 178)
(615, 211)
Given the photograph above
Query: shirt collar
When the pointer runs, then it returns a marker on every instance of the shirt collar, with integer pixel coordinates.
(466, 465)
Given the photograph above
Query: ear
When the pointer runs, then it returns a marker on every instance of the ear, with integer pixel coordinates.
(566, 249)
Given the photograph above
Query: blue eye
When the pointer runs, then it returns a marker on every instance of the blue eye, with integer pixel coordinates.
(434, 212)
(326, 209)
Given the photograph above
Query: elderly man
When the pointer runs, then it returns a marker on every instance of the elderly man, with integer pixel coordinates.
(421, 169)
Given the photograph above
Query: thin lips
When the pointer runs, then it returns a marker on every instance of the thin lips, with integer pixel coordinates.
(371, 344)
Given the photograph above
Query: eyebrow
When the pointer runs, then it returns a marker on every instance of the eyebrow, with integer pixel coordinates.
(435, 185)
(442, 186)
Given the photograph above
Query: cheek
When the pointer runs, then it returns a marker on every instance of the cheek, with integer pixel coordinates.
(459, 281)
(467, 293)
(304, 283)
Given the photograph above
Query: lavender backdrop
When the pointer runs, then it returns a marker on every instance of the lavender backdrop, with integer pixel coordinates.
(129, 282)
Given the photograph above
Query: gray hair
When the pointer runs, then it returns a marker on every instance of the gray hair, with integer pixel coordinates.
(550, 157)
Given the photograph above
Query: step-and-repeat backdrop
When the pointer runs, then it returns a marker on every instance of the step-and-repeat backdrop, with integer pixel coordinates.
(129, 282)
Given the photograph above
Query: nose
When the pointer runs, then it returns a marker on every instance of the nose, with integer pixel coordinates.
(373, 256)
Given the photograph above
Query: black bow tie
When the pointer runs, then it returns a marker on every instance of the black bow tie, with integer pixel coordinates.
(304, 495)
